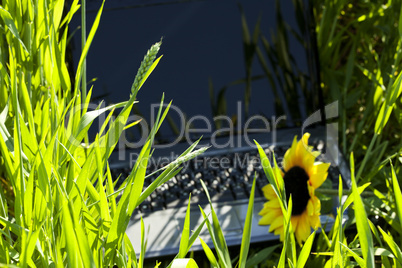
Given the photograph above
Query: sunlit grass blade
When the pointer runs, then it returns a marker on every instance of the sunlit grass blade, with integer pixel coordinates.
(365, 237)
(287, 235)
(110, 191)
(170, 171)
(216, 234)
(358, 259)
(185, 234)
(269, 173)
(391, 96)
(305, 252)
(192, 238)
(384, 259)
(26, 253)
(85, 50)
(131, 252)
(130, 197)
(143, 245)
(398, 195)
(184, 263)
(259, 257)
(245, 243)
(351, 197)
(103, 206)
(73, 258)
(7, 18)
(337, 238)
(396, 250)
(208, 252)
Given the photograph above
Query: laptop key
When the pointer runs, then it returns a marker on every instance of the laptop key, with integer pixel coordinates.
(238, 192)
(225, 196)
(157, 205)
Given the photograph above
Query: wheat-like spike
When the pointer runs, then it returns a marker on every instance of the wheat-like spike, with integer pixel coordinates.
(145, 64)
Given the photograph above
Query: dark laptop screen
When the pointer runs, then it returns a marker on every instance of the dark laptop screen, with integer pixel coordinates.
(216, 74)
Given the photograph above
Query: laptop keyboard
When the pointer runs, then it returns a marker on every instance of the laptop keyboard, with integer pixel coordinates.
(228, 177)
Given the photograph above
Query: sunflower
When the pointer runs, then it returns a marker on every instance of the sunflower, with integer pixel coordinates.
(301, 176)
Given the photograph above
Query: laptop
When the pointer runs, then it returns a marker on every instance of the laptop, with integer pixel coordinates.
(237, 71)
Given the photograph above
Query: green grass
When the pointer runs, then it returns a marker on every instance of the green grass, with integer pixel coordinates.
(58, 204)
(62, 210)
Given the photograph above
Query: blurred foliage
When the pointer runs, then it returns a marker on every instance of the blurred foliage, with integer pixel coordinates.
(360, 54)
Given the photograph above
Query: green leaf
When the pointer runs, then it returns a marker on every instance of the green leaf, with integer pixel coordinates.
(393, 246)
(260, 256)
(216, 234)
(70, 238)
(392, 95)
(305, 252)
(104, 206)
(8, 20)
(277, 184)
(85, 123)
(185, 234)
(84, 52)
(351, 197)
(397, 194)
(208, 252)
(184, 263)
(245, 243)
(363, 229)
(192, 239)
(128, 201)
(357, 258)
(143, 245)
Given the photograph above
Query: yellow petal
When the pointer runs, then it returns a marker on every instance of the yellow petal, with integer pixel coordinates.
(303, 228)
(315, 221)
(280, 232)
(302, 150)
(274, 203)
(289, 155)
(317, 205)
(269, 192)
(264, 210)
(320, 167)
(295, 220)
(310, 208)
(308, 163)
(317, 179)
(269, 217)
(305, 138)
(276, 223)
(315, 201)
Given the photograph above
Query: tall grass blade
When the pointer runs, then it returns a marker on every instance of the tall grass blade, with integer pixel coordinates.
(184, 263)
(192, 239)
(362, 263)
(216, 234)
(80, 68)
(392, 95)
(143, 245)
(9, 22)
(363, 229)
(269, 173)
(245, 243)
(208, 252)
(185, 234)
(305, 252)
(398, 195)
(396, 250)
(260, 256)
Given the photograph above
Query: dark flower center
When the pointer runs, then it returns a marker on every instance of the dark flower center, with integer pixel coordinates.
(296, 185)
